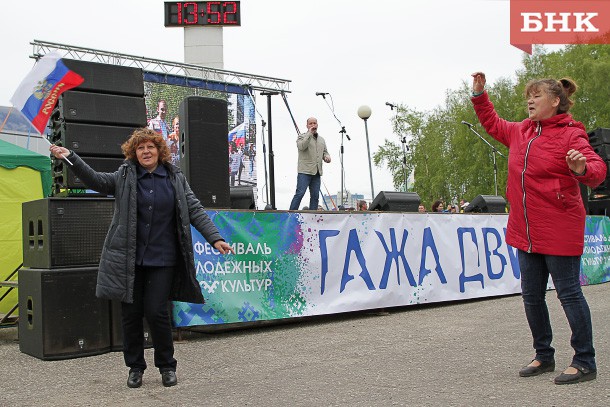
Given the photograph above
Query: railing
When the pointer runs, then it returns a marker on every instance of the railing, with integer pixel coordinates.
(8, 318)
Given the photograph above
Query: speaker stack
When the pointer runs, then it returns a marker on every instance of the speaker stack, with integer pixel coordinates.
(204, 149)
(63, 236)
(95, 118)
(599, 198)
(59, 314)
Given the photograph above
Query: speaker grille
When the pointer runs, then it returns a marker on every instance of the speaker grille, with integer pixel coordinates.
(64, 178)
(65, 232)
(204, 153)
(92, 139)
(106, 78)
(59, 315)
(97, 108)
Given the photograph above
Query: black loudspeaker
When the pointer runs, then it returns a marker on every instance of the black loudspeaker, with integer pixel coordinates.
(63, 177)
(389, 201)
(107, 78)
(116, 328)
(487, 204)
(204, 149)
(600, 141)
(599, 136)
(242, 197)
(59, 315)
(584, 194)
(65, 232)
(599, 207)
(92, 139)
(98, 108)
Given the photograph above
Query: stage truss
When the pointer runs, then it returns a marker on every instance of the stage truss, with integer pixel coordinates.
(254, 82)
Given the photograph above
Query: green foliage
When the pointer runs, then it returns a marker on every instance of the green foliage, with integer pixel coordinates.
(447, 160)
(173, 96)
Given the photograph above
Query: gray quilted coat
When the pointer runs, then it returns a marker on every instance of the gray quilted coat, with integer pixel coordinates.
(117, 263)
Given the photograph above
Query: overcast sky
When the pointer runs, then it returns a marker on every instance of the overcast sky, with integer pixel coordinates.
(361, 52)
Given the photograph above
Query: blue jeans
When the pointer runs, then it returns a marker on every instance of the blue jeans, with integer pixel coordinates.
(565, 272)
(304, 181)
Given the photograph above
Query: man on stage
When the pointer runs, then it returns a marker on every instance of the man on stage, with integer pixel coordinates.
(312, 151)
(158, 124)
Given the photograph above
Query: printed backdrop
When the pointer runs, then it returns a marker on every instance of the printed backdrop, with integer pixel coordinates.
(303, 264)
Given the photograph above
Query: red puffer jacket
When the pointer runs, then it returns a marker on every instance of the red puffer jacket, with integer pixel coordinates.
(547, 215)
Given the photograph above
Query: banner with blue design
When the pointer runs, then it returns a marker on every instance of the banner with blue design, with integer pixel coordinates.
(290, 264)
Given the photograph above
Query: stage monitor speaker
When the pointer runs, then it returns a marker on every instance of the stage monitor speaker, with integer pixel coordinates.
(92, 139)
(98, 108)
(116, 328)
(389, 201)
(107, 78)
(63, 177)
(599, 136)
(242, 197)
(65, 232)
(487, 204)
(59, 315)
(599, 207)
(204, 149)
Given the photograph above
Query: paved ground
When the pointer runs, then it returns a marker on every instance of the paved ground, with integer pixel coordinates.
(453, 354)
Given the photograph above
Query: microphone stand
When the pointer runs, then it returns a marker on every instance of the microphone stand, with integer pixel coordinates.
(494, 151)
(343, 133)
(405, 148)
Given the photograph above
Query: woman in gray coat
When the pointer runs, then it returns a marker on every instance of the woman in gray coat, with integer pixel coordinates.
(147, 258)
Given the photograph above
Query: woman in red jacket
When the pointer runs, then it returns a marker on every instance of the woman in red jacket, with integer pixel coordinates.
(549, 154)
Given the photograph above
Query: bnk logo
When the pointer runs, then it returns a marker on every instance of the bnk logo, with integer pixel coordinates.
(559, 22)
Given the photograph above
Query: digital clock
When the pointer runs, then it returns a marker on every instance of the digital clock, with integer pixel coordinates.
(196, 13)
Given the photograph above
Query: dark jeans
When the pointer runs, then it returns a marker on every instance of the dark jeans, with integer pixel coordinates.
(565, 272)
(151, 291)
(304, 181)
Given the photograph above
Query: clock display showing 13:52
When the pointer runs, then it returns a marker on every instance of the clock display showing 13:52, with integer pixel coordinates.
(196, 13)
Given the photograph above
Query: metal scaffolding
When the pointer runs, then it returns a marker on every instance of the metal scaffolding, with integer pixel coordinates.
(255, 82)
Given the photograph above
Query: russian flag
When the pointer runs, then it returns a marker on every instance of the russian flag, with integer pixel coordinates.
(238, 135)
(38, 93)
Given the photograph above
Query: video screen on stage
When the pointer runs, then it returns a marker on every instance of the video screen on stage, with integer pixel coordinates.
(164, 94)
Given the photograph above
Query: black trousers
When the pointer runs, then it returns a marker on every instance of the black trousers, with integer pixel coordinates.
(151, 292)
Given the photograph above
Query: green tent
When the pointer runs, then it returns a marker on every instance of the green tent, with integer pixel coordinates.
(24, 176)
(13, 156)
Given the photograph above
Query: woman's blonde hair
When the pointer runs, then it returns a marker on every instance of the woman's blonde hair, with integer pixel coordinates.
(563, 89)
(142, 135)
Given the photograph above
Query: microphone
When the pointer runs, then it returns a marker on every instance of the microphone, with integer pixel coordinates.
(391, 105)
(466, 123)
(323, 94)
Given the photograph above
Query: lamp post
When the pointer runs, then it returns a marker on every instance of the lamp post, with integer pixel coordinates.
(364, 112)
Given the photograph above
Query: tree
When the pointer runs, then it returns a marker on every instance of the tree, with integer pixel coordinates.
(450, 162)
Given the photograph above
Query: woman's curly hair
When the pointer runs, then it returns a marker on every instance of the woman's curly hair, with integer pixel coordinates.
(142, 135)
(563, 89)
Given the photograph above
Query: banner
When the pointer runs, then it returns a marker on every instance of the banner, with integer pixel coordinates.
(291, 264)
